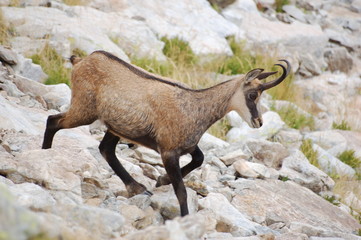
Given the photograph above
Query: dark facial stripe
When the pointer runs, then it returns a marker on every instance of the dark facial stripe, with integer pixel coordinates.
(252, 106)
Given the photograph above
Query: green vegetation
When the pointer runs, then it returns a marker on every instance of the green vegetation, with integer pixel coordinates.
(220, 128)
(153, 66)
(279, 4)
(291, 116)
(332, 199)
(79, 53)
(283, 178)
(53, 65)
(348, 157)
(311, 155)
(242, 60)
(342, 126)
(178, 51)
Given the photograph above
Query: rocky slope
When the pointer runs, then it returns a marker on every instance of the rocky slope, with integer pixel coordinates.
(257, 185)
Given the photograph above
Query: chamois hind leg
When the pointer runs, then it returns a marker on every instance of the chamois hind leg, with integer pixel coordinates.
(171, 165)
(107, 149)
(69, 119)
(197, 160)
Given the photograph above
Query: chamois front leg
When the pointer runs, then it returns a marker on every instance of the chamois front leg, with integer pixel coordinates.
(197, 160)
(171, 165)
(107, 149)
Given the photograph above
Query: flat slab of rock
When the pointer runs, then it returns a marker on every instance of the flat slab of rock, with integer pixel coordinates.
(287, 202)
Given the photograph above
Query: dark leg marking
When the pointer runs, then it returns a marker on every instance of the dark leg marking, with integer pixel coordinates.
(107, 149)
(197, 160)
(52, 126)
(171, 164)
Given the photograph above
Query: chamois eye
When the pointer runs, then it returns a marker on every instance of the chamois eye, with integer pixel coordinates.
(252, 96)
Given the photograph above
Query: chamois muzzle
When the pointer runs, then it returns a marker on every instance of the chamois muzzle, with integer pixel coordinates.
(274, 83)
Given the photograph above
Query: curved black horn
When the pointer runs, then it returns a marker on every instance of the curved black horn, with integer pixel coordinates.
(285, 73)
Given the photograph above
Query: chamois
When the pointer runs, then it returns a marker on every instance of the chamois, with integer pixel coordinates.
(153, 111)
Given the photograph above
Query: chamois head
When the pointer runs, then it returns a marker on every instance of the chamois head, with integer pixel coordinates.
(246, 100)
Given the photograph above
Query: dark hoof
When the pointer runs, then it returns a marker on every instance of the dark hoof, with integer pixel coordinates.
(162, 180)
(148, 193)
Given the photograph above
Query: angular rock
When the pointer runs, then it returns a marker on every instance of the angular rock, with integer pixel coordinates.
(309, 66)
(165, 201)
(191, 227)
(338, 59)
(32, 196)
(356, 6)
(73, 30)
(272, 123)
(329, 92)
(297, 168)
(56, 96)
(209, 141)
(101, 222)
(254, 170)
(292, 203)
(228, 216)
(196, 184)
(294, 37)
(295, 12)
(353, 139)
(268, 153)
(7, 56)
(232, 157)
(167, 19)
(290, 138)
(26, 68)
(16, 222)
(19, 118)
(331, 164)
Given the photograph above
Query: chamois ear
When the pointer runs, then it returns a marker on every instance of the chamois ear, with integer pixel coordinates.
(253, 74)
(265, 75)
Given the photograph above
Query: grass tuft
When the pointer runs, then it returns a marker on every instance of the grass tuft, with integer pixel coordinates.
(349, 157)
(5, 31)
(291, 116)
(178, 51)
(153, 66)
(74, 2)
(332, 199)
(309, 152)
(342, 126)
(279, 4)
(53, 65)
(283, 178)
(79, 53)
(220, 128)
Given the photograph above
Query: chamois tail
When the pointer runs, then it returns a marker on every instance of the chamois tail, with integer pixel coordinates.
(74, 59)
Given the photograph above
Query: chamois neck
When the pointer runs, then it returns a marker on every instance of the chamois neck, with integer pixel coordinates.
(213, 103)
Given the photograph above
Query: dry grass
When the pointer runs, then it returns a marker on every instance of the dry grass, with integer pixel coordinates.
(53, 65)
(75, 2)
(344, 186)
(4, 30)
